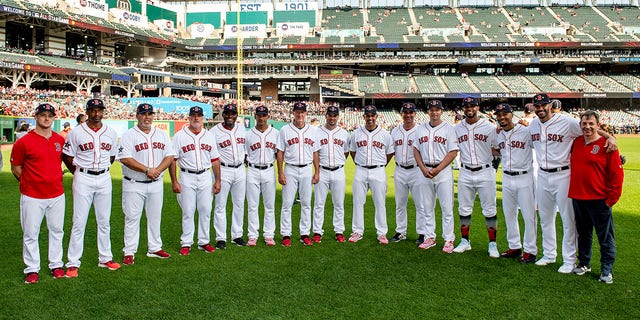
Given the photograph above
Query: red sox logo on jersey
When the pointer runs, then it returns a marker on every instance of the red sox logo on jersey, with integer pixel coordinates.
(595, 149)
(192, 147)
(89, 146)
(513, 145)
(555, 137)
(399, 142)
(297, 140)
(535, 137)
(476, 137)
(145, 146)
(436, 139)
(336, 141)
(227, 143)
(364, 143)
(258, 145)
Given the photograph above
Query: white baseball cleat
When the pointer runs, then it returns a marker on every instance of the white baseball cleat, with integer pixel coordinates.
(493, 250)
(567, 268)
(545, 261)
(463, 246)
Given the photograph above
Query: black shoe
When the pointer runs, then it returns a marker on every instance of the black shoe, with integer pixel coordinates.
(420, 239)
(511, 253)
(528, 258)
(398, 237)
(221, 244)
(239, 242)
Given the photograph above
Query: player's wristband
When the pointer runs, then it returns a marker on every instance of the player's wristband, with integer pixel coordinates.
(146, 171)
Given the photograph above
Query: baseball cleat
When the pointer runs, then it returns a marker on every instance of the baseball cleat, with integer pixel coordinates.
(528, 258)
(355, 237)
(270, 242)
(545, 261)
(493, 250)
(511, 253)
(317, 238)
(128, 260)
(57, 273)
(398, 237)
(207, 248)
(252, 242)
(221, 244)
(428, 243)
(581, 269)
(340, 237)
(382, 239)
(31, 278)
(463, 246)
(72, 272)
(420, 239)
(111, 265)
(566, 268)
(286, 241)
(305, 239)
(239, 242)
(184, 251)
(606, 278)
(161, 254)
(448, 247)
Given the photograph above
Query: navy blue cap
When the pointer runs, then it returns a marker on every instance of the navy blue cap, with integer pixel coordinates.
(541, 98)
(94, 103)
(231, 107)
(435, 103)
(45, 107)
(504, 107)
(408, 107)
(370, 109)
(556, 104)
(528, 108)
(196, 110)
(144, 108)
(262, 110)
(299, 106)
(333, 110)
(470, 100)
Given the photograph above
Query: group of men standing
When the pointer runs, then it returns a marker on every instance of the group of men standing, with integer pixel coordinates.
(213, 163)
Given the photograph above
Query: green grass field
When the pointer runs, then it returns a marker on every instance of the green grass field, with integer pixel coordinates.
(326, 281)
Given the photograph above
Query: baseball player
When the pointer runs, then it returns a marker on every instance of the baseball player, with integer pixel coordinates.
(195, 153)
(552, 135)
(434, 148)
(36, 162)
(230, 141)
(406, 176)
(514, 143)
(371, 148)
(261, 153)
(476, 140)
(88, 153)
(297, 147)
(145, 152)
(333, 154)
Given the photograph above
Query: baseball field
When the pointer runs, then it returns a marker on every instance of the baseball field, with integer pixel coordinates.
(326, 281)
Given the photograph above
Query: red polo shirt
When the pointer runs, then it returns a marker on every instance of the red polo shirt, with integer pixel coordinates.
(595, 174)
(41, 160)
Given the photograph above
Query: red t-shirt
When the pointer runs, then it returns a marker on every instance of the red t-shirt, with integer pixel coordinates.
(41, 160)
(595, 174)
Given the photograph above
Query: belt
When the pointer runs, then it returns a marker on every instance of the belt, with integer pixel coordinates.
(230, 165)
(139, 181)
(298, 165)
(472, 169)
(515, 173)
(331, 168)
(93, 172)
(260, 167)
(372, 167)
(555, 169)
(405, 167)
(194, 171)
(432, 165)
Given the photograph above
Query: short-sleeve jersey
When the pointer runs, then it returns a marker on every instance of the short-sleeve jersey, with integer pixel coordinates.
(298, 144)
(230, 143)
(475, 142)
(403, 141)
(147, 148)
(41, 160)
(371, 147)
(516, 149)
(91, 149)
(194, 151)
(553, 139)
(261, 146)
(434, 143)
(333, 146)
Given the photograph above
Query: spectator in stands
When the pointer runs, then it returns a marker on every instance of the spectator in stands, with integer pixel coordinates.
(65, 131)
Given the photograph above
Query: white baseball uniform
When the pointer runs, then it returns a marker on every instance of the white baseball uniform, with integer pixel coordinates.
(194, 153)
(91, 151)
(371, 150)
(434, 143)
(233, 176)
(552, 141)
(476, 173)
(298, 146)
(407, 177)
(333, 147)
(261, 179)
(518, 187)
(138, 192)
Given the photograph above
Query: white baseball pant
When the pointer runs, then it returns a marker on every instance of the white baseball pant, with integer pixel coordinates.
(484, 183)
(298, 179)
(409, 180)
(89, 189)
(552, 189)
(334, 181)
(137, 196)
(196, 194)
(261, 182)
(32, 211)
(376, 180)
(518, 191)
(441, 186)
(234, 180)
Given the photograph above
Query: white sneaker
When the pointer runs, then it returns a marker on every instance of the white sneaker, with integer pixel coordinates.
(463, 246)
(567, 267)
(493, 250)
(428, 243)
(545, 261)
